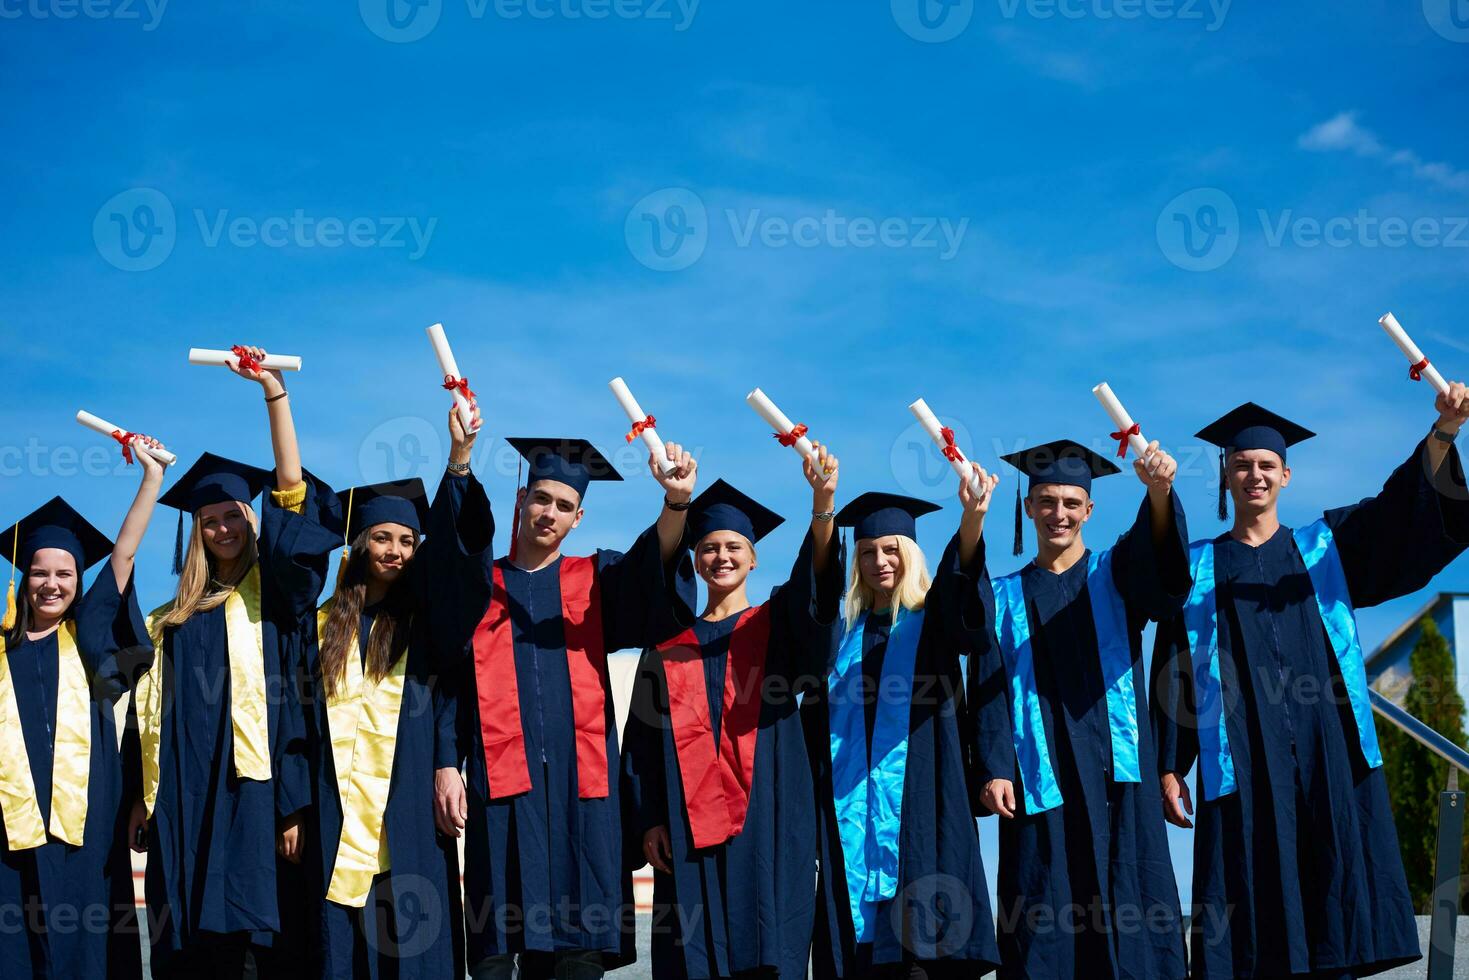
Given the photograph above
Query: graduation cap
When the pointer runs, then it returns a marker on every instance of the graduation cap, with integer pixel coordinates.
(398, 502)
(211, 480)
(55, 524)
(1063, 461)
(723, 508)
(1249, 427)
(574, 462)
(876, 515)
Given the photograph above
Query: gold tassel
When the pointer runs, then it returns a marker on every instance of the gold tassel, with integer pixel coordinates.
(346, 539)
(12, 611)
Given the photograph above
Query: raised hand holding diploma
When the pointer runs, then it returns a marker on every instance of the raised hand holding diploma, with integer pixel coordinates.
(1418, 366)
(241, 357)
(786, 433)
(1128, 433)
(130, 441)
(643, 426)
(453, 380)
(943, 437)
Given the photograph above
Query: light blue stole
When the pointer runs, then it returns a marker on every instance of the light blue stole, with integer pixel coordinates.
(1114, 651)
(1317, 547)
(868, 795)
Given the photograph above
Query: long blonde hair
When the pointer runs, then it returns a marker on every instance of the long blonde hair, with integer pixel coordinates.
(199, 590)
(910, 594)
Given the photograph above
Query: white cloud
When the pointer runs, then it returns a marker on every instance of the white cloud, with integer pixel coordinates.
(1342, 133)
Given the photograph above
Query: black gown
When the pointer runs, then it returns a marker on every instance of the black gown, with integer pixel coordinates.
(1086, 888)
(1299, 870)
(943, 919)
(748, 904)
(54, 896)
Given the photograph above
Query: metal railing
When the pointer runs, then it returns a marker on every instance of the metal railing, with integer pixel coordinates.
(1443, 921)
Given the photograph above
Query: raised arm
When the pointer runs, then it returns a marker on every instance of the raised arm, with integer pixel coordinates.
(678, 489)
(135, 524)
(458, 564)
(278, 408)
(1150, 560)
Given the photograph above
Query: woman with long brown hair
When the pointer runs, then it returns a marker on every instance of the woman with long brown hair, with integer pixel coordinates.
(223, 766)
(409, 584)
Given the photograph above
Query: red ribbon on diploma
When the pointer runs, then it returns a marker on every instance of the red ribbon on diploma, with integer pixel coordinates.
(951, 452)
(462, 384)
(792, 437)
(638, 428)
(126, 438)
(246, 359)
(1415, 371)
(1122, 437)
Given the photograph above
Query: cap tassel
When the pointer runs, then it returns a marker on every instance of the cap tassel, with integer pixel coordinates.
(178, 547)
(346, 540)
(1019, 527)
(515, 521)
(12, 611)
(1223, 489)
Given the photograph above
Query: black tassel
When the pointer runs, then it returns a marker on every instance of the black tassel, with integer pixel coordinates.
(1019, 527)
(1223, 488)
(178, 547)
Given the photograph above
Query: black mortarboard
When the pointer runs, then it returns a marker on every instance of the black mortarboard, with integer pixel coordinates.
(876, 515)
(211, 480)
(1063, 461)
(723, 508)
(1249, 427)
(574, 462)
(399, 502)
(55, 524)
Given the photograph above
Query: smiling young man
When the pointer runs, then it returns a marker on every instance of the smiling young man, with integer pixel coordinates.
(543, 875)
(1297, 870)
(1062, 747)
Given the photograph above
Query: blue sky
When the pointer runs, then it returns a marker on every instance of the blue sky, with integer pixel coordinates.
(993, 205)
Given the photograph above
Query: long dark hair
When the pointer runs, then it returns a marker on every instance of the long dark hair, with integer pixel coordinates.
(390, 630)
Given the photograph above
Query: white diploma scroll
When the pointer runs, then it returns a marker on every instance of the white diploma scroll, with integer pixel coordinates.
(778, 421)
(635, 415)
(450, 369)
(224, 358)
(107, 429)
(931, 425)
(1410, 350)
(1120, 418)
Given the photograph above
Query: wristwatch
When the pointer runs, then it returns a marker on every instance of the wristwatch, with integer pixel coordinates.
(458, 469)
(678, 508)
(1442, 436)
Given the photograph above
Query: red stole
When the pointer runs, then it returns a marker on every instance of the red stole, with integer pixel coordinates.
(499, 691)
(717, 779)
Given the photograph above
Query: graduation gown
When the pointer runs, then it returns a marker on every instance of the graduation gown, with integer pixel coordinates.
(543, 868)
(749, 903)
(1085, 888)
(413, 924)
(212, 865)
(69, 911)
(941, 914)
(1299, 869)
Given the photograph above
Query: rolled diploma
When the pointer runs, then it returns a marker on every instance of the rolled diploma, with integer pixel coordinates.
(777, 420)
(1120, 418)
(107, 429)
(635, 414)
(1410, 350)
(450, 367)
(221, 358)
(930, 423)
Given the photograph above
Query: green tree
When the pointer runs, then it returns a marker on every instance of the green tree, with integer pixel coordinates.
(1415, 776)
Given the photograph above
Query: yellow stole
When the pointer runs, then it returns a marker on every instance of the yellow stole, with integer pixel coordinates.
(249, 715)
(71, 762)
(363, 724)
